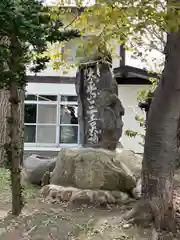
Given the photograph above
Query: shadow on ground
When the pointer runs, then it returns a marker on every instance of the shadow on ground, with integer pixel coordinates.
(41, 220)
(44, 220)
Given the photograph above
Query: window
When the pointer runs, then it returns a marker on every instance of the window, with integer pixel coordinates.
(68, 124)
(30, 122)
(47, 114)
(51, 120)
(69, 98)
(31, 97)
(47, 98)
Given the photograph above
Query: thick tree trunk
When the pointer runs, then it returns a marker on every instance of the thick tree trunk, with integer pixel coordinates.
(161, 144)
(14, 147)
(161, 138)
(100, 110)
(4, 113)
(145, 105)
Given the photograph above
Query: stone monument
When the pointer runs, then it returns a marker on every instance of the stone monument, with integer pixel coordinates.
(100, 110)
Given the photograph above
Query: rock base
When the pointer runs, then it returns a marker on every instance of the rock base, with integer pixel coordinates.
(85, 196)
(35, 167)
(89, 168)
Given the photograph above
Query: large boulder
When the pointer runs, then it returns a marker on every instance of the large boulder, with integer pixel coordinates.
(90, 168)
(132, 160)
(35, 166)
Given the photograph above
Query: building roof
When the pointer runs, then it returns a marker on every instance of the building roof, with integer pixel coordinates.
(51, 79)
(132, 75)
(129, 71)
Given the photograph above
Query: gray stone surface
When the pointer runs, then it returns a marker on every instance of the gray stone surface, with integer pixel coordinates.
(99, 109)
(91, 168)
(51, 154)
(35, 166)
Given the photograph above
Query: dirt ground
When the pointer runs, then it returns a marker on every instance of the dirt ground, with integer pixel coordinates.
(46, 220)
(41, 220)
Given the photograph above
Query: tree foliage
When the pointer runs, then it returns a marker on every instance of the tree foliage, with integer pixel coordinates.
(27, 29)
(122, 19)
(139, 26)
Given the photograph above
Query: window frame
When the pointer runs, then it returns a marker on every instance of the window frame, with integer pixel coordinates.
(58, 125)
(63, 124)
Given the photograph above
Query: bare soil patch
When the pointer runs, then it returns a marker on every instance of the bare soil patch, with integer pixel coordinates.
(42, 220)
(59, 221)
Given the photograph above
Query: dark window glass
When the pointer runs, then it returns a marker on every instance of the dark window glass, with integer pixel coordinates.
(30, 113)
(47, 98)
(31, 97)
(69, 98)
(69, 134)
(29, 133)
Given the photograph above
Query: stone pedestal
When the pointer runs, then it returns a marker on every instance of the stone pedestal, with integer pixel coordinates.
(100, 110)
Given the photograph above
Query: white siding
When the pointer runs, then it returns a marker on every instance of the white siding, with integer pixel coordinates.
(49, 71)
(153, 60)
(128, 95)
(51, 89)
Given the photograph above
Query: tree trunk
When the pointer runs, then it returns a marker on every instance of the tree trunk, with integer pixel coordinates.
(100, 110)
(4, 110)
(4, 113)
(14, 147)
(161, 144)
(177, 162)
(161, 137)
(145, 105)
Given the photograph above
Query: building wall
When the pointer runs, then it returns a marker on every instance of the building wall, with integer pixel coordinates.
(50, 88)
(127, 93)
(153, 60)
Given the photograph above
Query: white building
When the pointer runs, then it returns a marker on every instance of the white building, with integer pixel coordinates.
(48, 124)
